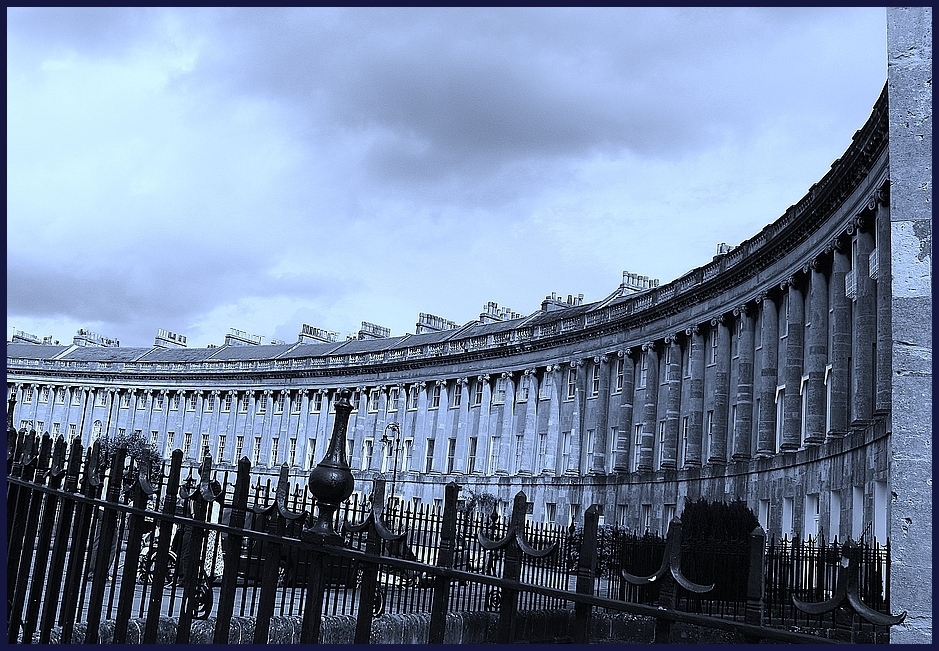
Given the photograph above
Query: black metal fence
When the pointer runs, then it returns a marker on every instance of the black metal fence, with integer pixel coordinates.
(94, 538)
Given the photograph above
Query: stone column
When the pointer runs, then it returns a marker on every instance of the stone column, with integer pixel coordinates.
(696, 397)
(792, 406)
(531, 419)
(149, 416)
(744, 423)
(601, 438)
(818, 353)
(554, 418)
(883, 280)
(909, 83)
(865, 328)
(577, 418)
(718, 448)
(769, 341)
(672, 403)
(840, 339)
(650, 399)
(625, 421)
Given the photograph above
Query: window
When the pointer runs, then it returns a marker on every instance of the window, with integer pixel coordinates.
(71, 430)
(451, 454)
(857, 512)
(611, 449)
(429, 457)
(637, 445)
(544, 390)
(828, 384)
(713, 337)
(368, 448)
(565, 451)
(44, 394)
(373, 401)
(101, 397)
(295, 405)
(158, 402)
(645, 518)
(709, 442)
(495, 443)
(56, 428)
(595, 381)
(810, 523)
(519, 449)
(804, 407)
(170, 443)
(668, 514)
(620, 364)
(27, 394)
(478, 393)
(522, 394)
(735, 340)
(76, 396)
(96, 429)
(174, 403)
(412, 397)
(686, 356)
(643, 369)
(542, 445)
(588, 450)
(317, 404)
(763, 516)
(435, 397)
(310, 453)
(261, 404)
(292, 460)
(457, 394)
(571, 383)
(279, 403)
(787, 517)
(226, 403)
(191, 402)
(154, 434)
(684, 441)
(780, 414)
(205, 445)
(40, 425)
(499, 396)
(621, 511)
(408, 449)
(187, 444)
(239, 447)
(668, 356)
(355, 398)
(471, 457)
(243, 403)
(26, 424)
(550, 512)
(834, 514)
(220, 450)
(209, 404)
(784, 330)
(575, 513)
(661, 454)
(60, 396)
(393, 395)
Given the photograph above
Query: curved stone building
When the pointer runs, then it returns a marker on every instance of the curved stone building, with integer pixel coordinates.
(763, 376)
(776, 374)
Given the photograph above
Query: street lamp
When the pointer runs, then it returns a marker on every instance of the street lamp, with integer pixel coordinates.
(394, 440)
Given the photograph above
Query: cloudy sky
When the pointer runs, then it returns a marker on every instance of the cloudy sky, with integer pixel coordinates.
(205, 169)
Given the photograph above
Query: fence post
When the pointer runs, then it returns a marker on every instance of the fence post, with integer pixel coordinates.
(364, 616)
(753, 613)
(44, 539)
(105, 542)
(32, 499)
(141, 490)
(511, 570)
(18, 504)
(194, 576)
(236, 520)
(57, 564)
(438, 613)
(667, 589)
(331, 483)
(586, 568)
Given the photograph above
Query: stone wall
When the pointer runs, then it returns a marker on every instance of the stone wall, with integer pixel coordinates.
(909, 82)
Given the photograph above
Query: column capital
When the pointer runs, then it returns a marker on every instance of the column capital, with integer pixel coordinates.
(693, 330)
(462, 380)
(717, 320)
(650, 345)
(672, 339)
(530, 371)
(742, 310)
(216, 392)
(420, 385)
(441, 383)
(268, 392)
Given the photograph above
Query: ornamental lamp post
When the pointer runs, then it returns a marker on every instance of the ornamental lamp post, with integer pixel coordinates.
(394, 440)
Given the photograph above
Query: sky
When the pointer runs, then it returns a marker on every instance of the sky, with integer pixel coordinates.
(197, 170)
